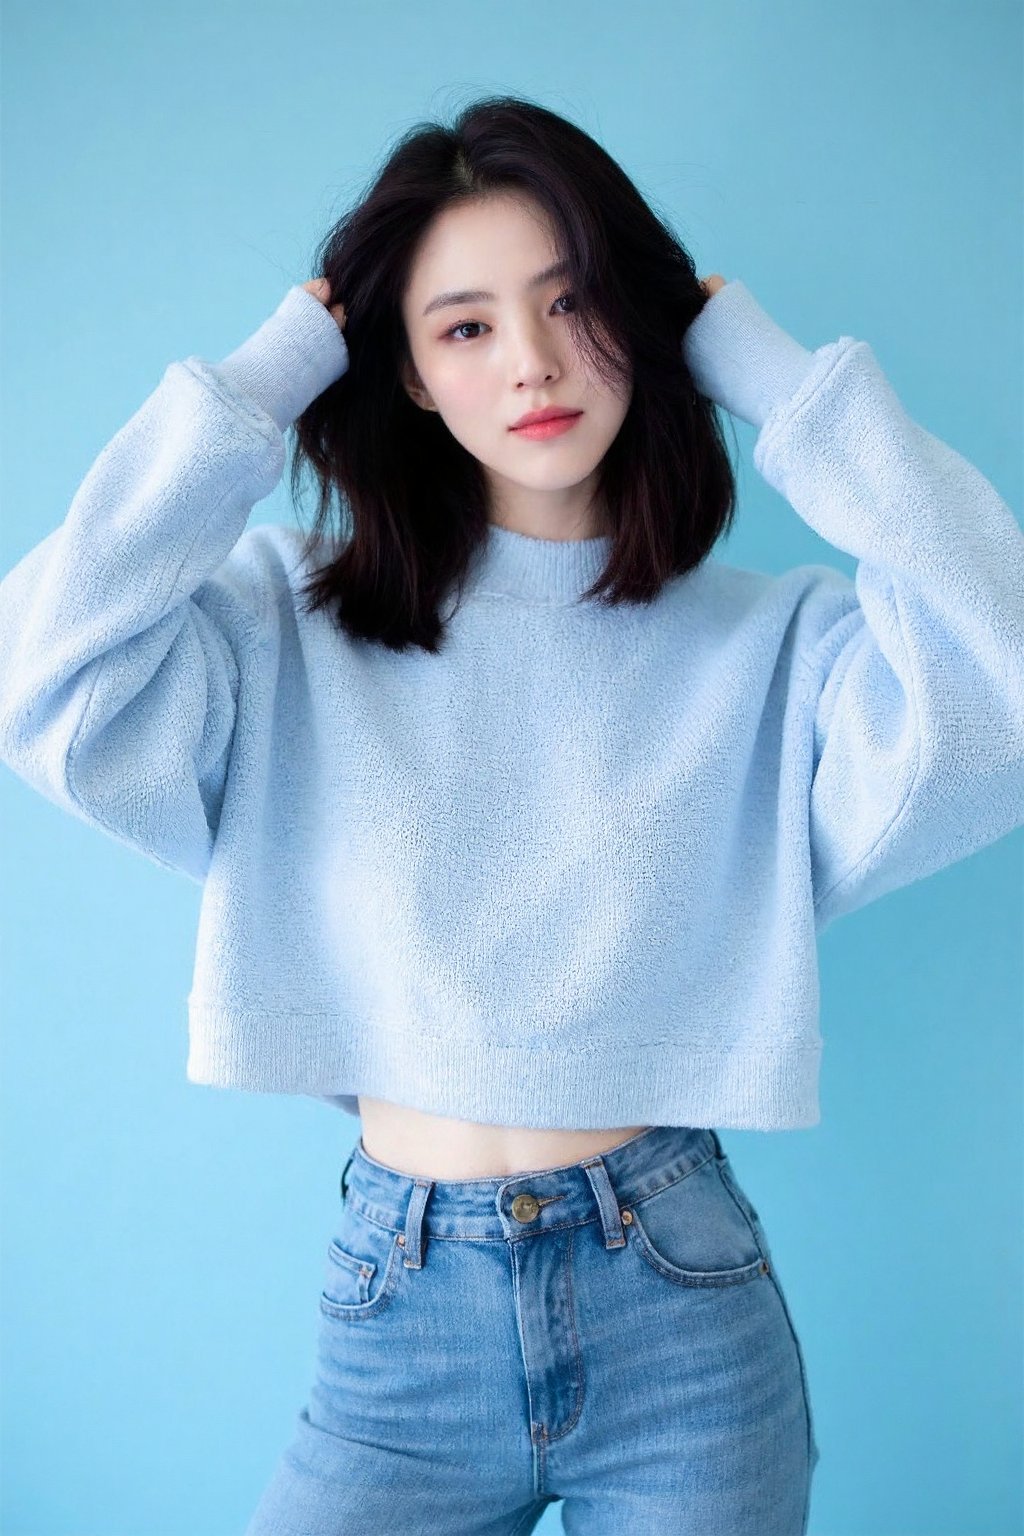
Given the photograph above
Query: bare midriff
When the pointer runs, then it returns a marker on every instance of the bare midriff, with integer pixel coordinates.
(418, 1144)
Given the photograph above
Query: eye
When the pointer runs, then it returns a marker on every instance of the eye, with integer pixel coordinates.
(463, 323)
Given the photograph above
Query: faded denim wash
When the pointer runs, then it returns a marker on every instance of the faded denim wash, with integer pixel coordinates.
(611, 1333)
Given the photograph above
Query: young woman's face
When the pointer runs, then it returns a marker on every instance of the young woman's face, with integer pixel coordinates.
(482, 363)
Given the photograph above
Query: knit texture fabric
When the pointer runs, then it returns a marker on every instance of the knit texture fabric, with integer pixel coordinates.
(570, 871)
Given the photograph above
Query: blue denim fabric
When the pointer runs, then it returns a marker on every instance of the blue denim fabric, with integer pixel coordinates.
(611, 1333)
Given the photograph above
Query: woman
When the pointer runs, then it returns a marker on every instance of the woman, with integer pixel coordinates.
(530, 881)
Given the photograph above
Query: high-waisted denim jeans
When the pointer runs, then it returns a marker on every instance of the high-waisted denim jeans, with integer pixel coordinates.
(611, 1333)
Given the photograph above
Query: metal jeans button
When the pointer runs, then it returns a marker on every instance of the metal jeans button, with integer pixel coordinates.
(525, 1207)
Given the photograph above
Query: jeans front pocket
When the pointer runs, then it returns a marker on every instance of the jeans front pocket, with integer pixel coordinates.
(728, 1177)
(364, 1264)
(694, 1232)
(746, 1205)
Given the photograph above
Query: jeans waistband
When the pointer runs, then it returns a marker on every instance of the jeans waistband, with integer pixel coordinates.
(520, 1205)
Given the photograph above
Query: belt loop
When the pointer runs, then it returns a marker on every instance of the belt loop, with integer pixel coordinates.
(718, 1145)
(607, 1201)
(414, 1222)
(344, 1171)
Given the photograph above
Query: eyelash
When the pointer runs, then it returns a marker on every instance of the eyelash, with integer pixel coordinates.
(460, 340)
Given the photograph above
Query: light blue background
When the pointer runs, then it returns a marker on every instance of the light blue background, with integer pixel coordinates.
(167, 173)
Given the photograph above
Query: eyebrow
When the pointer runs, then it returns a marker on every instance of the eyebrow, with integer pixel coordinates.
(479, 295)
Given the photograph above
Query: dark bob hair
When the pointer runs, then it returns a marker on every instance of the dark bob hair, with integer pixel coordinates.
(417, 501)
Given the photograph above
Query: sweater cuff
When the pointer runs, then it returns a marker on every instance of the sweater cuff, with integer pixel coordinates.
(740, 358)
(290, 360)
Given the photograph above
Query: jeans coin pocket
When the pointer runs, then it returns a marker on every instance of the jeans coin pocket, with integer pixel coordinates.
(363, 1265)
(695, 1232)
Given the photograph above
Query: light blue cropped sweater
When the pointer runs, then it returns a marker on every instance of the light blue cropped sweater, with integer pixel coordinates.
(570, 871)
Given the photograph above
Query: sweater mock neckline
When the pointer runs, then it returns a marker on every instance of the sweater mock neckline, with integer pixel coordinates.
(514, 564)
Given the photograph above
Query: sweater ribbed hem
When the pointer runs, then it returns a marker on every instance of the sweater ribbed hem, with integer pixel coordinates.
(661, 1083)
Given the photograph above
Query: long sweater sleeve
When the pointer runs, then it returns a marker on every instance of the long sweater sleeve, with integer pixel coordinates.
(133, 635)
(917, 665)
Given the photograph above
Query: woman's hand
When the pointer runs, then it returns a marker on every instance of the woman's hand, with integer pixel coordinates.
(320, 288)
(712, 284)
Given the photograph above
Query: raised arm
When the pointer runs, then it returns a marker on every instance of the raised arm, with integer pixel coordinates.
(137, 638)
(914, 670)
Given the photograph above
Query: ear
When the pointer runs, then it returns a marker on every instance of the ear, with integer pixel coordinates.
(414, 386)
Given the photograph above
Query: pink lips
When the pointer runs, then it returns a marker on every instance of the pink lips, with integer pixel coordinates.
(553, 427)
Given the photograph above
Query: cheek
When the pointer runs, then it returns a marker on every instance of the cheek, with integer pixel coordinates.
(464, 399)
(448, 380)
(466, 395)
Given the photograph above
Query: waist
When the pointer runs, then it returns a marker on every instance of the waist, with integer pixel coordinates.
(417, 1144)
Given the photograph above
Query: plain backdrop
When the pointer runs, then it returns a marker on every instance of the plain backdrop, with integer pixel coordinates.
(167, 172)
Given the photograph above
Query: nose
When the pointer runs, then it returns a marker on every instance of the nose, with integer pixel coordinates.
(538, 363)
(537, 371)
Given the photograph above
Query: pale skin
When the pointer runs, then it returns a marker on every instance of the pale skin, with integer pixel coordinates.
(509, 355)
